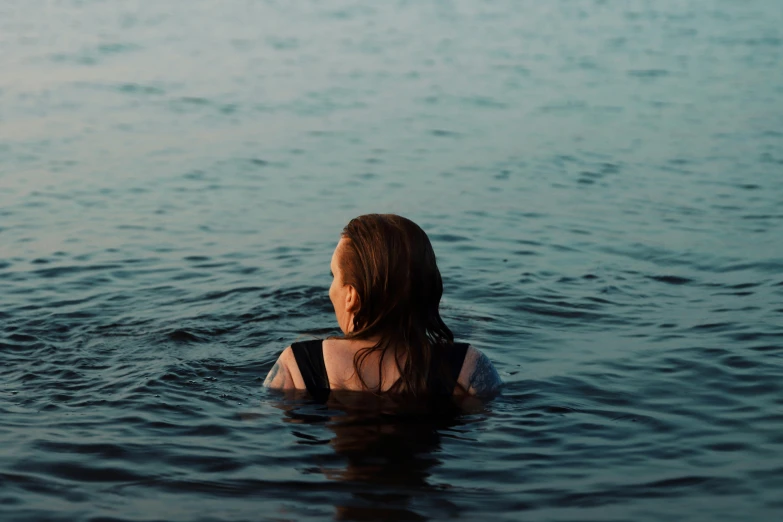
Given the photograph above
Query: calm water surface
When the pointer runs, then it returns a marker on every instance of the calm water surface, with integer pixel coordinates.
(602, 182)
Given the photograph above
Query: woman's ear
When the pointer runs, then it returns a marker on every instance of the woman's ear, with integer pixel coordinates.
(352, 300)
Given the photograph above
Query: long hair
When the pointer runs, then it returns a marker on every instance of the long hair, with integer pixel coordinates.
(390, 262)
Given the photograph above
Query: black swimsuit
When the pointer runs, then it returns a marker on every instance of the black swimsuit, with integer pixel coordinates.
(309, 357)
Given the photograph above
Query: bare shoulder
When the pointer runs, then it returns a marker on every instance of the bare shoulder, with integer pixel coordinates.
(479, 375)
(285, 374)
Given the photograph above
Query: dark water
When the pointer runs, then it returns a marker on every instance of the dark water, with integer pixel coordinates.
(603, 184)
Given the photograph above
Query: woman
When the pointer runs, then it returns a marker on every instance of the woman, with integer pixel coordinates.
(385, 290)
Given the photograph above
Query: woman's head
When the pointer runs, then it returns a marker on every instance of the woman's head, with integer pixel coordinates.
(387, 286)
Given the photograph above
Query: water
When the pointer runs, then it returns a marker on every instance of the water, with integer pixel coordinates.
(602, 184)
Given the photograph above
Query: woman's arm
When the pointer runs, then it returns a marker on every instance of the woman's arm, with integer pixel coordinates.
(282, 375)
(479, 375)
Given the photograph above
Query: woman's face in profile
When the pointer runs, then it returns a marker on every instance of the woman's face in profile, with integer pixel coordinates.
(338, 292)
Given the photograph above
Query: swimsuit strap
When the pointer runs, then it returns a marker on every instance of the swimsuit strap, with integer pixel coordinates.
(309, 357)
(456, 357)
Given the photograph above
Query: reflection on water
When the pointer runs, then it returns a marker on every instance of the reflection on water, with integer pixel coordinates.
(386, 451)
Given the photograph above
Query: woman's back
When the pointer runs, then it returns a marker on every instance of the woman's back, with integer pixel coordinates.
(297, 369)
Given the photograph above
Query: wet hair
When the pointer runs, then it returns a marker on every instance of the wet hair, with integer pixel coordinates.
(390, 262)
